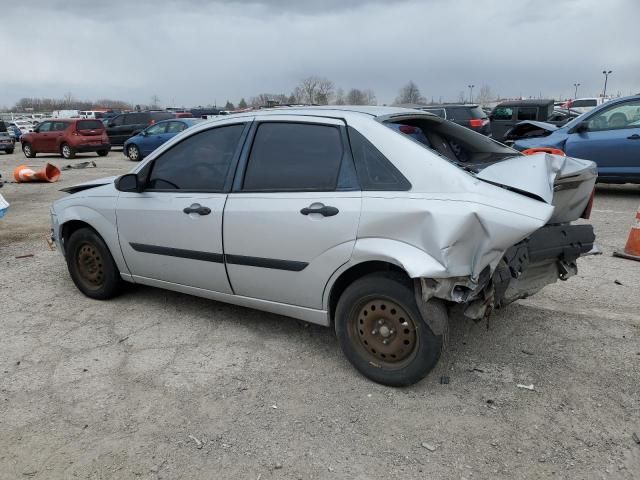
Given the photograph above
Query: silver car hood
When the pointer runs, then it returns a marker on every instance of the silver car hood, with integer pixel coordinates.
(539, 174)
(90, 184)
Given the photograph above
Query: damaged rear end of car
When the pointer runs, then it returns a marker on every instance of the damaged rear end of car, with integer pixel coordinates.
(505, 229)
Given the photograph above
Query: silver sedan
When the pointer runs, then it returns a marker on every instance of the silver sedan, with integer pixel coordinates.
(371, 220)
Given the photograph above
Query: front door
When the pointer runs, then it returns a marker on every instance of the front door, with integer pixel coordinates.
(293, 217)
(154, 137)
(43, 138)
(172, 231)
(612, 140)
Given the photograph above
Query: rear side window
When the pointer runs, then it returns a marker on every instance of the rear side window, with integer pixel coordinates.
(502, 113)
(60, 126)
(436, 111)
(375, 171)
(136, 118)
(157, 116)
(584, 103)
(199, 163)
(176, 127)
(294, 157)
(89, 125)
(527, 113)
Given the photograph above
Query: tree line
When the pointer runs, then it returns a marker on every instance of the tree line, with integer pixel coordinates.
(312, 90)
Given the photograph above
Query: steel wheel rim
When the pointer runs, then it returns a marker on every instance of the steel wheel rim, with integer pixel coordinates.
(384, 332)
(90, 265)
(133, 152)
(27, 150)
(66, 150)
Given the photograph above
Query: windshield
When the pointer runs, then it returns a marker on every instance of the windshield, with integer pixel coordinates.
(459, 145)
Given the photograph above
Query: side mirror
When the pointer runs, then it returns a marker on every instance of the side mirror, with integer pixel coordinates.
(580, 128)
(128, 183)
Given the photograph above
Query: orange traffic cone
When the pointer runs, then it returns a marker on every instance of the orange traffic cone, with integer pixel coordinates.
(632, 248)
(50, 173)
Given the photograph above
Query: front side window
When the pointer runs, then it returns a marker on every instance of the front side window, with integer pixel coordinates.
(44, 127)
(502, 113)
(117, 121)
(527, 113)
(625, 115)
(294, 157)
(199, 163)
(157, 129)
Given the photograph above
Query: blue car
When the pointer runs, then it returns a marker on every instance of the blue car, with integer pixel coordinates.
(145, 142)
(608, 135)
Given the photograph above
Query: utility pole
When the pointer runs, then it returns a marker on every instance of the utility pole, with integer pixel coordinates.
(606, 77)
(575, 93)
(471, 93)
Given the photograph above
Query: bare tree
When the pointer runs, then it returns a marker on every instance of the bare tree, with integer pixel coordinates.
(461, 97)
(340, 97)
(355, 96)
(410, 93)
(370, 97)
(314, 90)
(68, 98)
(485, 96)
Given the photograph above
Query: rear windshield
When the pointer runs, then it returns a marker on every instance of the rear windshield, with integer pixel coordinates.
(457, 144)
(584, 103)
(89, 125)
(465, 113)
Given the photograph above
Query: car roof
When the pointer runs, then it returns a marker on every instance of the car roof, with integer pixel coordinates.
(531, 102)
(451, 105)
(330, 111)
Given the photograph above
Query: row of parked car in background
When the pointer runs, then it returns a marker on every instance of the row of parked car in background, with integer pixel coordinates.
(607, 132)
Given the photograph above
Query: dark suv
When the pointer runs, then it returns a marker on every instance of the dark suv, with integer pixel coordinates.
(124, 126)
(470, 116)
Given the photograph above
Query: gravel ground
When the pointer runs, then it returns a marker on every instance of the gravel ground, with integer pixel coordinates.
(156, 384)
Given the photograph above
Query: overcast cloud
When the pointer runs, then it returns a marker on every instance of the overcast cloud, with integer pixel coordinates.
(195, 52)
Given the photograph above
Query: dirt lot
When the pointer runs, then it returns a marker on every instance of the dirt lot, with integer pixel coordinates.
(156, 384)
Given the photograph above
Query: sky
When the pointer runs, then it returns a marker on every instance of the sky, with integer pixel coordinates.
(197, 52)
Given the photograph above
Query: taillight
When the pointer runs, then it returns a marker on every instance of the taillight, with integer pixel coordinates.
(408, 129)
(478, 122)
(152, 122)
(587, 211)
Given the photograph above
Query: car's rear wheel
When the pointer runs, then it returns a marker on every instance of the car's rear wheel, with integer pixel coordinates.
(103, 153)
(383, 334)
(66, 151)
(9, 151)
(133, 152)
(28, 150)
(91, 265)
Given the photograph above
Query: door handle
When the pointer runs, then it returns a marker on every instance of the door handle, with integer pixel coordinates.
(325, 211)
(197, 208)
(635, 136)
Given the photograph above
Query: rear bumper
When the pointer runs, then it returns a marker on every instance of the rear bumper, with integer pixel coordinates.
(92, 147)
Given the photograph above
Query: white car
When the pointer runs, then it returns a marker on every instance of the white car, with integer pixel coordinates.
(584, 105)
(24, 126)
(372, 220)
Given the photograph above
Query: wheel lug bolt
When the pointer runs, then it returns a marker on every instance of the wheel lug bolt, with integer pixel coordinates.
(392, 331)
(380, 322)
(373, 332)
(385, 341)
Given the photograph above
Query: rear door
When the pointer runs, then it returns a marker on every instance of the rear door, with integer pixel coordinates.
(172, 231)
(612, 141)
(501, 121)
(292, 218)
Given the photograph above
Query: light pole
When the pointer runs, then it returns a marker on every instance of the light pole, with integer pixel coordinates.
(575, 93)
(471, 93)
(606, 77)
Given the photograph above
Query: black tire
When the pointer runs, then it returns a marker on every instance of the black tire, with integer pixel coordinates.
(91, 265)
(409, 340)
(133, 153)
(28, 151)
(103, 153)
(9, 151)
(67, 152)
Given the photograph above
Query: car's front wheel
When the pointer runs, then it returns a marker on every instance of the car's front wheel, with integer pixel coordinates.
(9, 151)
(28, 150)
(103, 153)
(91, 265)
(66, 151)
(383, 334)
(133, 152)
